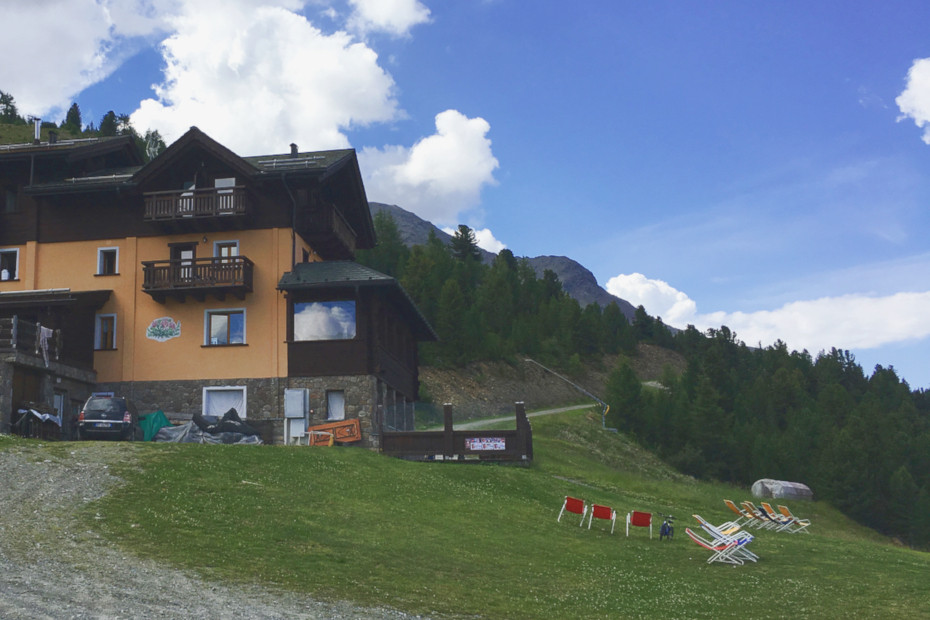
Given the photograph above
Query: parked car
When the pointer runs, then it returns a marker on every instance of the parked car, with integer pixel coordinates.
(108, 417)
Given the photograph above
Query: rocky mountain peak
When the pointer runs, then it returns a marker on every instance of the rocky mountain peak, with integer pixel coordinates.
(576, 280)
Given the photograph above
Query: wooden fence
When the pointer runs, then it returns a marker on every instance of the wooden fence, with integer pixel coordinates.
(465, 445)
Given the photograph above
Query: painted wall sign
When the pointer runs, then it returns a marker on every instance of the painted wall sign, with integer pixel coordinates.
(162, 329)
(485, 443)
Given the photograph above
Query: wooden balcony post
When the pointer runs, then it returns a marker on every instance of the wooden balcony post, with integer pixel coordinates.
(15, 335)
(524, 432)
(448, 439)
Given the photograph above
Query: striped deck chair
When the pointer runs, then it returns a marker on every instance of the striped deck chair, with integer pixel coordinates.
(729, 533)
(800, 525)
(721, 552)
(782, 523)
(760, 520)
(744, 518)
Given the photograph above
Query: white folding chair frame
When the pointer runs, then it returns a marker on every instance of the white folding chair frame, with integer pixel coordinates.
(612, 518)
(584, 511)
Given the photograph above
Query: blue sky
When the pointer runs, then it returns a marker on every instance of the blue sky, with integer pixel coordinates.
(763, 165)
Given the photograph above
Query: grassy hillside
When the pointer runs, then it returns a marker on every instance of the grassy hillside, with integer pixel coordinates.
(23, 134)
(483, 541)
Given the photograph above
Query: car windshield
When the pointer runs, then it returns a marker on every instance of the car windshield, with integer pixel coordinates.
(110, 405)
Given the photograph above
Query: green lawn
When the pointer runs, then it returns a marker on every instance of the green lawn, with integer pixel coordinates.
(482, 540)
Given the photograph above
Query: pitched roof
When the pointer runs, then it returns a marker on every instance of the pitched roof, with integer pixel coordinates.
(322, 161)
(349, 274)
(75, 148)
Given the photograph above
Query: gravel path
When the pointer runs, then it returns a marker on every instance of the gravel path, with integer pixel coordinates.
(53, 567)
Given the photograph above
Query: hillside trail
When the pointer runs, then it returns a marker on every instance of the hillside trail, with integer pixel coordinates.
(466, 426)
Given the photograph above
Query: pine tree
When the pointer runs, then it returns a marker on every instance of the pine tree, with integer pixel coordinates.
(72, 120)
(465, 245)
(8, 112)
(109, 125)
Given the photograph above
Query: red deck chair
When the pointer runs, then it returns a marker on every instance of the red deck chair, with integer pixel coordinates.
(603, 512)
(639, 519)
(575, 505)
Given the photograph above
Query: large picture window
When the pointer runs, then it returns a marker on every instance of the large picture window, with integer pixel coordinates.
(225, 327)
(324, 320)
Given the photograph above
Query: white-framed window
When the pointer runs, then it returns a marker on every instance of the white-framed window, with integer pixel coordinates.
(9, 263)
(105, 332)
(220, 399)
(107, 261)
(335, 405)
(226, 249)
(224, 327)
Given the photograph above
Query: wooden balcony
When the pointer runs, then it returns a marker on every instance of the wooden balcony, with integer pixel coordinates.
(26, 337)
(198, 278)
(193, 204)
(327, 230)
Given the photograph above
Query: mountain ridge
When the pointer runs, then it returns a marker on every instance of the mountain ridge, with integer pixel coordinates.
(576, 279)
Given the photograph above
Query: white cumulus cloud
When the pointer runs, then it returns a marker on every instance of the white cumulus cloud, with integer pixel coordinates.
(846, 321)
(54, 49)
(440, 176)
(656, 296)
(396, 17)
(256, 75)
(257, 79)
(487, 241)
(914, 101)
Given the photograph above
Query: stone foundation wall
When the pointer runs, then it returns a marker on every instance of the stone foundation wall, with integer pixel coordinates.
(180, 400)
(361, 401)
(74, 384)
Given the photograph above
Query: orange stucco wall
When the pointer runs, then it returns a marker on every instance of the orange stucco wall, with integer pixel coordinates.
(137, 358)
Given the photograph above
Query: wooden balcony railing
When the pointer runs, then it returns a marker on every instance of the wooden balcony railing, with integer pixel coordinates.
(197, 277)
(194, 203)
(327, 229)
(26, 337)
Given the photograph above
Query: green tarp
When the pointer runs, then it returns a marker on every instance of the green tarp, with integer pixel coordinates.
(151, 423)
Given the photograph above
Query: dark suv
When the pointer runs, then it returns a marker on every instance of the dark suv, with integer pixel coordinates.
(108, 416)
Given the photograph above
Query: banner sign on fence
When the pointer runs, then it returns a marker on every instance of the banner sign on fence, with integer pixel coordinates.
(485, 443)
